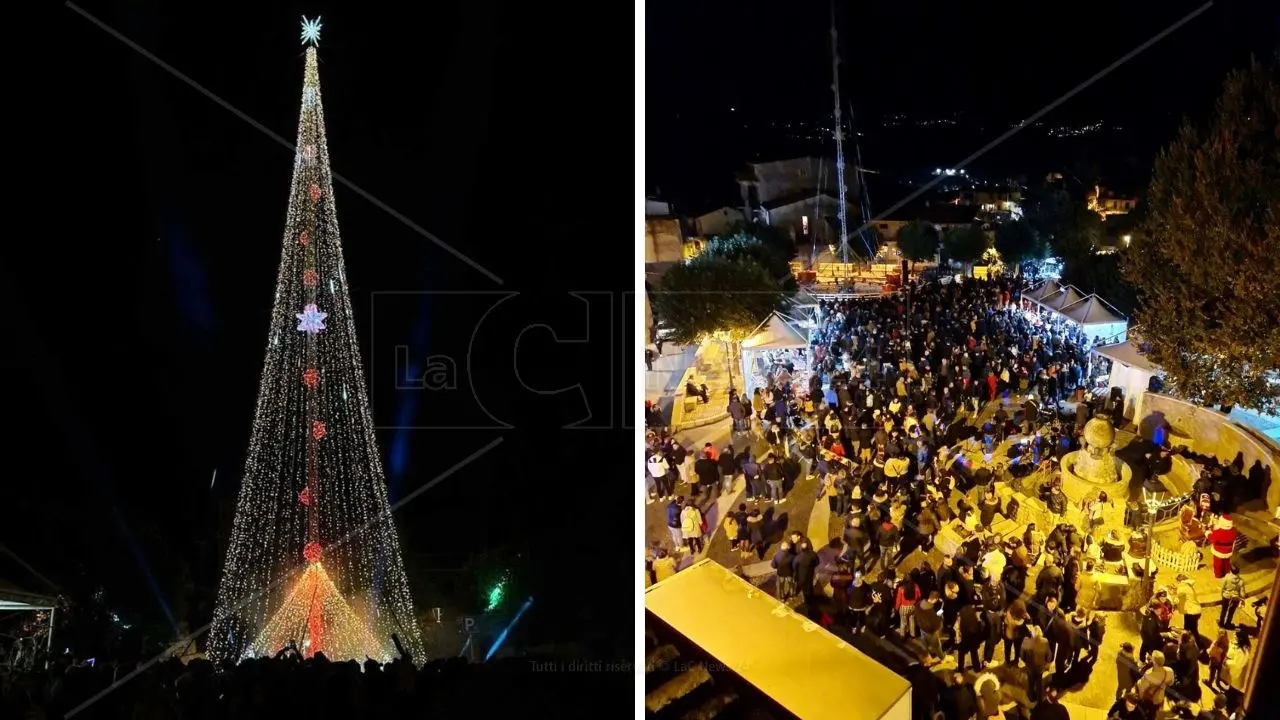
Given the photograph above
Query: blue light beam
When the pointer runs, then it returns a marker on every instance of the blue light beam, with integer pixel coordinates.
(502, 636)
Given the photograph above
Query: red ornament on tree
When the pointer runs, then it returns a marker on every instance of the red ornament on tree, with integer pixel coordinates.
(311, 378)
(312, 552)
(305, 496)
(305, 237)
(318, 430)
(315, 192)
(309, 277)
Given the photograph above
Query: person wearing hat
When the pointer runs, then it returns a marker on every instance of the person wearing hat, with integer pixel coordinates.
(1222, 540)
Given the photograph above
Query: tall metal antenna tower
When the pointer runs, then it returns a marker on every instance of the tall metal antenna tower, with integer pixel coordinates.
(835, 88)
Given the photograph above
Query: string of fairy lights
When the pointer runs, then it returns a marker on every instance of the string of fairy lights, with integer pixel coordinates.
(314, 560)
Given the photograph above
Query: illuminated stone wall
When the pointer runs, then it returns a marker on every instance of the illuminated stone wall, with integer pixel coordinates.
(1208, 432)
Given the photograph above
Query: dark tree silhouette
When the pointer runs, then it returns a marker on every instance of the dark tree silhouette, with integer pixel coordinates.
(1206, 262)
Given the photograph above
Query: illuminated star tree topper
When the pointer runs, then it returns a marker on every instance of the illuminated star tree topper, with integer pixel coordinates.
(311, 31)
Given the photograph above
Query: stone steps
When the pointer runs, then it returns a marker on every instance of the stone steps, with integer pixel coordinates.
(1259, 525)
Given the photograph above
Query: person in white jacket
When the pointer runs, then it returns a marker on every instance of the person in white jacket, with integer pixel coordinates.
(658, 472)
(1189, 605)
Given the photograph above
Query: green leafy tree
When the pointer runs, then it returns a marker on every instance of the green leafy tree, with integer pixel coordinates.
(965, 243)
(714, 294)
(918, 241)
(767, 234)
(753, 249)
(1206, 263)
(1018, 240)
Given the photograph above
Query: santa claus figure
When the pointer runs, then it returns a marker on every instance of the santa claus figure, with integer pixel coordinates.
(1222, 540)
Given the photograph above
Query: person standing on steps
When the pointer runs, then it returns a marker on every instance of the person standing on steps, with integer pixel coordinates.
(1232, 594)
(784, 566)
(673, 522)
(1127, 670)
(806, 565)
(1189, 605)
(1223, 541)
(708, 472)
(729, 469)
(993, 605)
(657, 467)
(773, 477)
(691, 526)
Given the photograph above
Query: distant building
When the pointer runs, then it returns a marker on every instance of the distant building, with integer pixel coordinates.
(1105, 202)
(716, 222)
(799, 196)
(992, 200)
(942, 215)
(657, 208)
(663, 238)
(808, 216)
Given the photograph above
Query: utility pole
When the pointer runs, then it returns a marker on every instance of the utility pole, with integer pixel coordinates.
(835, 89)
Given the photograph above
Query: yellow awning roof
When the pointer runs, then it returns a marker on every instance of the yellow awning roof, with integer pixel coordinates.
(805, 669)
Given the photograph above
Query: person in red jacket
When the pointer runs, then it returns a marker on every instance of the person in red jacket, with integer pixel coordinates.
(1223, 542)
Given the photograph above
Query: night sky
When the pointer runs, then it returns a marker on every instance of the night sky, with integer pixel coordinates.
(138, 289)
(985, 65)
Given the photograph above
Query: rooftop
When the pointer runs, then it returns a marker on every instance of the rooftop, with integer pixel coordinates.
(802, 196)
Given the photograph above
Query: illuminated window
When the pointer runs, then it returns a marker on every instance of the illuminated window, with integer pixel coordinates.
(804, 224)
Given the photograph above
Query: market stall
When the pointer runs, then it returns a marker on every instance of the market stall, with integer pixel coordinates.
(1065, 297)
(806, 308)
(776, 345)
(1131, 371)
(1096, 318)
(1031, 298)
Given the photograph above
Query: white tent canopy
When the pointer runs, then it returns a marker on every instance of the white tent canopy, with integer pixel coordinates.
(1065, 297)
(1131, 371)
(1096, 317)
(16, 599)
(776, 333)
(1041, 291)
(804, 299)
(1129, 354)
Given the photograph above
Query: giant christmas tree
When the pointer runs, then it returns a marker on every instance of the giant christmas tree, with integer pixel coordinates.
(314, 560)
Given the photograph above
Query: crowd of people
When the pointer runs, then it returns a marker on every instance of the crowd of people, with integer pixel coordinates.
(897, 385)
(288, 685)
